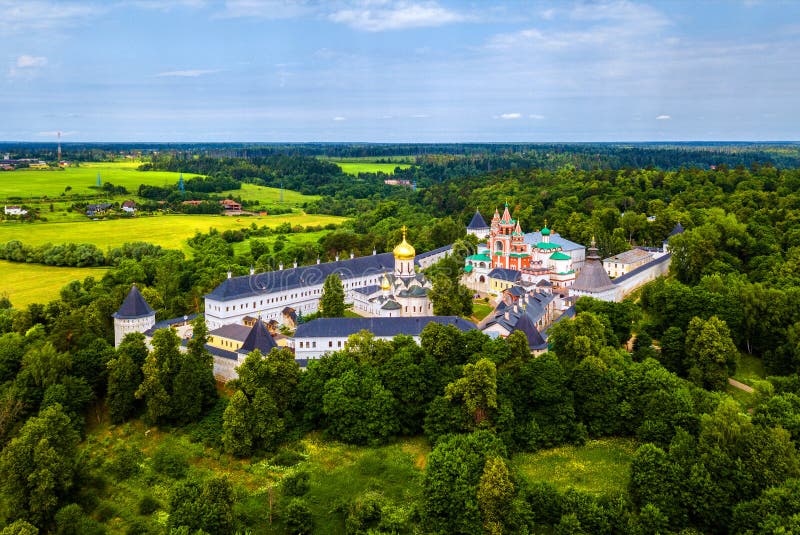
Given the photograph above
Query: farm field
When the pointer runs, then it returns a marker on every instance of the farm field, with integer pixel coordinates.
(27, 183)
(33, 283)
(169, 231)
(600, 467)
(338, 474)
(354, 168)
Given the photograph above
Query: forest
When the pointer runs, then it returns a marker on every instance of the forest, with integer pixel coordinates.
(706, 461)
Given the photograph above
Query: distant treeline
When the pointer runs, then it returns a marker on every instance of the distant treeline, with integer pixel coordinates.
(666, 156)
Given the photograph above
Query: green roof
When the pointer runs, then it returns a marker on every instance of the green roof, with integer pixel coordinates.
(545, 231)
(479, 257)
(468, 268)
(519, 255)
(570, 272)
(543, 245)
(558, 255)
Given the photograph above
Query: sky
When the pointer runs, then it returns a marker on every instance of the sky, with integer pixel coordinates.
(399, 71)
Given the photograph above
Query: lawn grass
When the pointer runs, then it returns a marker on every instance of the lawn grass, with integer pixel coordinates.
(601, 467)
(480, 310)
(169, 231)
(338, 474)
(32, 283)
(354, 168)
(27, 183)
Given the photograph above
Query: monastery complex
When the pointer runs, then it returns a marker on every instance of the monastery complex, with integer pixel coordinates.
(533, 280)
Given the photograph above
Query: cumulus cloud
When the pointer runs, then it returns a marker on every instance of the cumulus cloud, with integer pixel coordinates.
(396, 16)
(510, 115)
(190, 73)
(663, 118)
(338, 118)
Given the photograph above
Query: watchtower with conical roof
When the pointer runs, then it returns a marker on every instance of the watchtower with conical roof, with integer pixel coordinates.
(133, 316)
(478, 226)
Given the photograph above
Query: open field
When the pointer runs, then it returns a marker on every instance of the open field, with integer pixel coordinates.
(32, 283)
(266, 195)
(354, 168)
(26, 183)
(169, 231)
(338, 474)
(600, 467)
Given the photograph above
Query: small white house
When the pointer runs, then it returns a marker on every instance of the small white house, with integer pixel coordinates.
(14, 210)
(129, 207)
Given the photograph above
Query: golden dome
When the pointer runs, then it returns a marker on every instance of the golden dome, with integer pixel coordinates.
(385, 284)
(404, 251)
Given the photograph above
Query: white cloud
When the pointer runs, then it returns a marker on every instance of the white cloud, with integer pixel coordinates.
(267, 9)
(536, 116)
(31, 62)
(663, 118)
(420, 116)
(338, 118)
(190, 73)
(166, 5)
(20, 16)
(397, 16)
(510, 115)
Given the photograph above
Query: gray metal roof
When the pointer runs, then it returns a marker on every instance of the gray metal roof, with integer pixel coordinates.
(677, 229)
(510, 275)
(593, 277)
(643, 267)
(535, 237)
(526, 326)
(342, 327)
(233, 331)
(431, 253)
(477, 223)
(134, 306)
(289, 279)
(258, 338)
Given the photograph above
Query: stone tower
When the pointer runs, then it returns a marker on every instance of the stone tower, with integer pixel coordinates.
(133, 316)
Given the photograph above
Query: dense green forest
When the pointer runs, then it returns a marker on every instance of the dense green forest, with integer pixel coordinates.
(706, 462)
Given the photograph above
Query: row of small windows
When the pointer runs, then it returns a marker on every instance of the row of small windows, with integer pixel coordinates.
(308, 345)
(315, 292)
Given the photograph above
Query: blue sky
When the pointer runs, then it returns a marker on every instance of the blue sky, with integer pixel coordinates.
(404, 71)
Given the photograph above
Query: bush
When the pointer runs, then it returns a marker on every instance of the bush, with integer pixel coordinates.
(286, 458)
(148, 505)
(299, 519)
(170, 463)
(125, 462)
(296, 483)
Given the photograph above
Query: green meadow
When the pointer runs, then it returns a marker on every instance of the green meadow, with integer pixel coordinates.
(27, 183)
(354, 168)
(32, 283)
(169, 231)
(298, 238)
(600, 466)
(338, 474)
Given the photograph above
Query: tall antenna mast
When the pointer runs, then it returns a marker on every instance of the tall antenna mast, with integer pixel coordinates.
(59, 147)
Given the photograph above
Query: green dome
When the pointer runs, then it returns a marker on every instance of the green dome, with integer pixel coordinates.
(545, 231)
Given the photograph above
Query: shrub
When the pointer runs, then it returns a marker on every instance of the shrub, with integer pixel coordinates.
(299, 520)
(286, 458)
(148, 505)
(170, 463)
(125, 462)
(296, 484)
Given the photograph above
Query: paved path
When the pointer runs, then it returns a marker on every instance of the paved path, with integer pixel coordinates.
(741, 386)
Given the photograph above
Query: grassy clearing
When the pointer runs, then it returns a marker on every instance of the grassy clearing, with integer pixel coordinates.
(599, 467)
(31, 283)
(170, 231)
(26, 183)
(354, 168)
(339, 473)
(749, 369)
(480, 310)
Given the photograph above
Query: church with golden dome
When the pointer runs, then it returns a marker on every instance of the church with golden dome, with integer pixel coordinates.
(401, 293)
